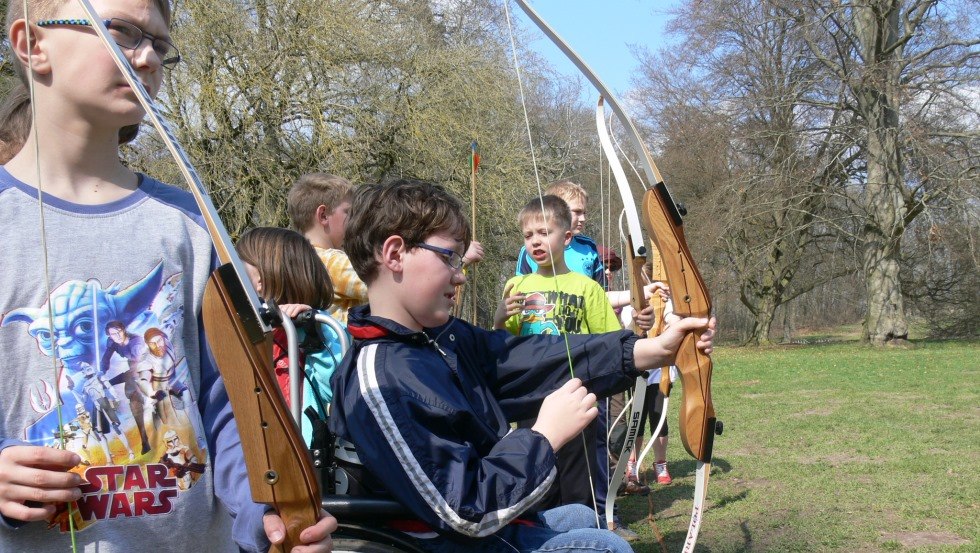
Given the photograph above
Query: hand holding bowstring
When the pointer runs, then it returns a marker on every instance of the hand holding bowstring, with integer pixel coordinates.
(574, 382)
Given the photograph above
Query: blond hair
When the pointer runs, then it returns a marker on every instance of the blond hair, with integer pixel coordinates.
(568, 191)
(310, 192)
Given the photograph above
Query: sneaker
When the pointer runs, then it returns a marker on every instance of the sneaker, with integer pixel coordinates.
(626, 534)
(635, 488)
(631, 472)
(663, 477)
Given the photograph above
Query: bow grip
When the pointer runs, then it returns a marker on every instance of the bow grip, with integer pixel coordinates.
(697, 413)
(280, 471)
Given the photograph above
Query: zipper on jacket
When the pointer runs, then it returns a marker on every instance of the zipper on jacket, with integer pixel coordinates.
(435, 344)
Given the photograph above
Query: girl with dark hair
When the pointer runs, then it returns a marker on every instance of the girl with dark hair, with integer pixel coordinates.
(285, 268)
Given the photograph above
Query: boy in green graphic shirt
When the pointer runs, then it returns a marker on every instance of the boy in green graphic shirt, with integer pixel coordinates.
(555, 300)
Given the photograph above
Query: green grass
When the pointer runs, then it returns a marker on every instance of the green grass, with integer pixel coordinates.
(832, 448)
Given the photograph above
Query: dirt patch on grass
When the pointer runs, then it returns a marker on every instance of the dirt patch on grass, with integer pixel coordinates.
(838, 459)
(921, 539)
(752, 482)
(843, 458)
(740, 488)
(749, 450)
(824, 411)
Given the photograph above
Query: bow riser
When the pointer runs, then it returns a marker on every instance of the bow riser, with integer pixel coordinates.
(697, 421)
(690, 295)
(657, 274)
(691, 299)
(636, 263)
(280, 469)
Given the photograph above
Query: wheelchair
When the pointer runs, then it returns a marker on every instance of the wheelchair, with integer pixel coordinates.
(366, 523)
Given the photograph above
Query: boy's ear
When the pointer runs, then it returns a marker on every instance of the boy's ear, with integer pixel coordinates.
(393, 253)
(322, 216)
(568, 237)
(18, 42)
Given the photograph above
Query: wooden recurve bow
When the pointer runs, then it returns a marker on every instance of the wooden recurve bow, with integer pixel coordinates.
(698, 424)
(280, 471)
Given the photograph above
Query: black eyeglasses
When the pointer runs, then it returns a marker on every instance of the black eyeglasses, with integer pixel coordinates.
(126, 35)
(452, 258)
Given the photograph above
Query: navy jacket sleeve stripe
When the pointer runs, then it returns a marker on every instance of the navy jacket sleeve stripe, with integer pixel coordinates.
(491, 521)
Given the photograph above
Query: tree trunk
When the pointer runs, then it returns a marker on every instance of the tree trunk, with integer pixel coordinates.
(761, 330)
(877, 26)
(764, 311)
(885, 321)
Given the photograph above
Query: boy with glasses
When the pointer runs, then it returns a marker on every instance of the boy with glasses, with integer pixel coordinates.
(426, 398)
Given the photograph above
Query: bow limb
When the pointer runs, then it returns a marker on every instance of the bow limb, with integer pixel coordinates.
(279, 467)
(657, 273)
(635, 254)
(690, 296)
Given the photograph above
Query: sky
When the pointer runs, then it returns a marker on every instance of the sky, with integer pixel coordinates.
(600, 31)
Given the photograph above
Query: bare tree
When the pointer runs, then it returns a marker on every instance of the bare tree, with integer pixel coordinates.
(894, 57)
(750, 98)
(845, 121)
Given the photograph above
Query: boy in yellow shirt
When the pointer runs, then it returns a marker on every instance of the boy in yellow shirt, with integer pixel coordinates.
(318, 204)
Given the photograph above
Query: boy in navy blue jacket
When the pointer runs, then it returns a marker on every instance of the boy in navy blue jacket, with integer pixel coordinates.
(427, 398)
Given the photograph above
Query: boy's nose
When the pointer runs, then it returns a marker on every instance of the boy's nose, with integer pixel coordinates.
(145, 56)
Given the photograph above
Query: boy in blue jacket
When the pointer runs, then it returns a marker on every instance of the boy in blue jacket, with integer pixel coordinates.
(427, 398)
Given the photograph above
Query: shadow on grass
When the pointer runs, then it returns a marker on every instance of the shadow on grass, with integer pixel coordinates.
(674, 503)
(674, 539)
(663, 498)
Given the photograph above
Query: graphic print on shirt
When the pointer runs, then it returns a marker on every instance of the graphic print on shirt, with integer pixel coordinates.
(126, 408)
(551, 312)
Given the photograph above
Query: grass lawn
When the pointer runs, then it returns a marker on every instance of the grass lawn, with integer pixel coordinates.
(834, 447)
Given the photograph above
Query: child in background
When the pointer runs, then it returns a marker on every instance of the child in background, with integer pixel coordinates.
(119, 246)
(554, 300)
(581, 254)
(318, 204)
(285, 268)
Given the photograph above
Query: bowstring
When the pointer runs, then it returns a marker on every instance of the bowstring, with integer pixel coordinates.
(604, 197)
(537, 181)
(45, 260)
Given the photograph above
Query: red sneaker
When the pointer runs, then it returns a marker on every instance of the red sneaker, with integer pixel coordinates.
(663, 477)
